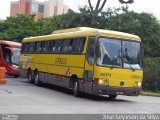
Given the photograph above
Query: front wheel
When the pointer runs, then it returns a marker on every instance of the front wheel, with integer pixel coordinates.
(76, 89)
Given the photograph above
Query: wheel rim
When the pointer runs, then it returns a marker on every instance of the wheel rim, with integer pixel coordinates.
(29, 77)
(36, 79)
(75, 88)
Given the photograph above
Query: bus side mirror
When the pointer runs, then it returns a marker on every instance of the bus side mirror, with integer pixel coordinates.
(88, 75)
(11, 50)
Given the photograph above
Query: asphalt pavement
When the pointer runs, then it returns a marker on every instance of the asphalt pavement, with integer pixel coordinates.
(19, 97)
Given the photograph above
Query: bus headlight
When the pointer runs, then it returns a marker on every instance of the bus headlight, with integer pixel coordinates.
(139, 84)
(104, 82)
(100, 81)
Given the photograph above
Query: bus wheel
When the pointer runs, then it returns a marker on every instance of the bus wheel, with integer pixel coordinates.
(30, 80)
(112, 97)
(36, 79)
(76, 89)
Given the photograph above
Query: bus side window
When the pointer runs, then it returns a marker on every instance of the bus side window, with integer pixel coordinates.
(27, 47)
(45, 46)
(53, 47)
(24, 47)
(90, 50)
(32, 47)
(78, 44)
(65, 46)
(38, 47)
(58, 46)
(49, 46)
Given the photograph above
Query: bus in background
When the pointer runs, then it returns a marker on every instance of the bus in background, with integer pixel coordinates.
(89, 60)
(9, 57)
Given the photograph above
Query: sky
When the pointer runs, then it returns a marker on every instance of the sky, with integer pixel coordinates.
(149, 6)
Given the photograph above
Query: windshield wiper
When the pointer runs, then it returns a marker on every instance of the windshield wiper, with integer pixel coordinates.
(131, 66)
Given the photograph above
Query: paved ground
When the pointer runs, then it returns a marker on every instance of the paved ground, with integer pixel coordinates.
(20, 97)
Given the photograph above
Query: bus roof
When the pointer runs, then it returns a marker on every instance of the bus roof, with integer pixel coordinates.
(11, 43)
(83, 31)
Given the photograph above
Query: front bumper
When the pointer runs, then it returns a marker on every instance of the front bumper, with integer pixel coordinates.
(108, 90)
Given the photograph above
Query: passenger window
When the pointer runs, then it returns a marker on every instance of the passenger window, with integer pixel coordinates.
(58, 46)
(24, 47)
(39, 47)
(66, 47)
(90, 51)
(78, 45)
(27, 46)
(32, 47)
(46, 46)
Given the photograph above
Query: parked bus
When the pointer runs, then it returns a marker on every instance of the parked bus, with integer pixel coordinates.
(89, 60)
(9, 57)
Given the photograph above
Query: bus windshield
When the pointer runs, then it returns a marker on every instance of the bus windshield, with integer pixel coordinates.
(118, 53)
(15, 56)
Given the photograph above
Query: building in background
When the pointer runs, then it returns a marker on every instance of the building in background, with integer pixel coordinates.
(54, 7)
(40, 9)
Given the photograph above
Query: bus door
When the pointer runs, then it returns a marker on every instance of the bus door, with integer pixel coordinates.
(89, 64)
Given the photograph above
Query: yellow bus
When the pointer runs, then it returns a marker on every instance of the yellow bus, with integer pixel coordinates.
(89, 60)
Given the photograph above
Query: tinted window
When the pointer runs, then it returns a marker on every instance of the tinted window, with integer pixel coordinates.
(77, 45)
(51, 47)
(90, 51)
(41, 8)
(39, 47)
(58, 46)
(32, 47)
(67, 46)
(27, 46)
(45, 46)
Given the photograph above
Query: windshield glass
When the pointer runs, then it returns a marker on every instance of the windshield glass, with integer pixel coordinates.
(118, 53)
(15, 57)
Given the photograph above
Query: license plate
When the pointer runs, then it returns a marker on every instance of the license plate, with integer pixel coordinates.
(120, 93)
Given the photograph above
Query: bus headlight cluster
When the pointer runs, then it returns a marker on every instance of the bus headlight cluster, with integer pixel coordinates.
(104, 82)
(137, 84)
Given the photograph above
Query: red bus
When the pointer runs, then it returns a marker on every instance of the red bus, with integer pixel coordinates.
(9, 57)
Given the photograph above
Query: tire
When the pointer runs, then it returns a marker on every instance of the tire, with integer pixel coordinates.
(76, 89)
(30, 78)
(112, 97)
(36, 79)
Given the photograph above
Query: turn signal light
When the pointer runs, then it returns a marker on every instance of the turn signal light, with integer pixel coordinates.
(96, 81)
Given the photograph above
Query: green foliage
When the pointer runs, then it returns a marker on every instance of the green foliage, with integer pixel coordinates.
(151, 74)
(16, 28)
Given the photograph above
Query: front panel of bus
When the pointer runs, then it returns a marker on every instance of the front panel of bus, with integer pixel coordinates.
(118, 69)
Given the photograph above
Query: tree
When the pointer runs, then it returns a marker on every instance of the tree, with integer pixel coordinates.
(16, 28)
(126, 2)
(98, 8)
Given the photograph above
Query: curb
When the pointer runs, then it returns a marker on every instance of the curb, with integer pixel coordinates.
(150, 94)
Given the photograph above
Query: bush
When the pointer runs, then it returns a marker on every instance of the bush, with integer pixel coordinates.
(151, 74)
